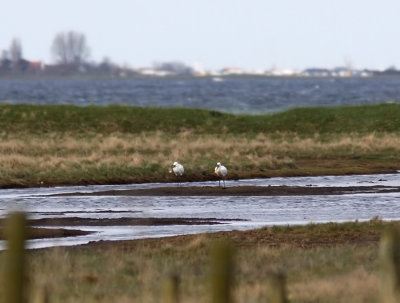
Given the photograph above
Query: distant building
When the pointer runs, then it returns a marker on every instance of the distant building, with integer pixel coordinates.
(153, 72)
(35, 67)
(232, 71)
(198, 69)
(341, 72)
(362, 73)
(257, 72)
(174, 68)
(316, 72)
(274, 72)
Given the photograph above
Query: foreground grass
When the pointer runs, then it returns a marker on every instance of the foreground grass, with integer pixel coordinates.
(47, 145)
(323, 263)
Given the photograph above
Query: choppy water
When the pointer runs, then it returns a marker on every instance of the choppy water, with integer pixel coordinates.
(254, 211)
(236, 95)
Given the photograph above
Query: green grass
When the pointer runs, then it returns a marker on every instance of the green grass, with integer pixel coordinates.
(41, 119)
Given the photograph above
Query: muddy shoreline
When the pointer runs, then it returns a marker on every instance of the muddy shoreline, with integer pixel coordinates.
(126, 221)
(48, 233)
(52, 227)
(239, 191)
(305, 168)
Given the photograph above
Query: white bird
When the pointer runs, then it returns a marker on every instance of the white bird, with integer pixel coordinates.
(221, 172)
(177, 169)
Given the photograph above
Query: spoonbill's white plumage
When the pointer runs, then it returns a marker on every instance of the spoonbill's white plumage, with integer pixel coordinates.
(221, 172)
(177, 169)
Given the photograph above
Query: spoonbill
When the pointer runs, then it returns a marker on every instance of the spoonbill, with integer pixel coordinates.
(177, 169)
(221, 172)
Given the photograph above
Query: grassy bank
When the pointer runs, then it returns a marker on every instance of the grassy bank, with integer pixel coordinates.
(35, 119)
(47, 145)
(323, 263)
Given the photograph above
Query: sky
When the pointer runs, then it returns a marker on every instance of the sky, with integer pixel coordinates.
(252, 34)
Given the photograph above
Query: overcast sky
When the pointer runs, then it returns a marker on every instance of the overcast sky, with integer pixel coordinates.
(253, 34)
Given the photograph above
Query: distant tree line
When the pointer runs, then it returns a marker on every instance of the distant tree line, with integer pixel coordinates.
(11, 60)
(71, 53)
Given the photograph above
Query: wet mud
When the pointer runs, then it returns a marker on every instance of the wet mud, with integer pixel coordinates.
(44, 233)
(239, 191)
(76, 221)
(47, 228)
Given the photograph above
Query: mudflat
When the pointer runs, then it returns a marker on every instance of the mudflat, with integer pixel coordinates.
(52, 227)
(239, 191)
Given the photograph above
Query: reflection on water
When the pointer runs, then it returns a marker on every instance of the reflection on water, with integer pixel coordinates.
(256, 211)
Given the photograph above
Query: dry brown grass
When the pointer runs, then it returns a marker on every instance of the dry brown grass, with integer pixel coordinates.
(358, 285)
(344, 144)
(37, 159)
(320, 271)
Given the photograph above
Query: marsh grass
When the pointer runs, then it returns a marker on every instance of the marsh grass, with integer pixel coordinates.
(322, 262)
(121, 157)
(47, 145)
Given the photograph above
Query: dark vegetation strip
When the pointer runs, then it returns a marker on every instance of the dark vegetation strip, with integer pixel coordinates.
(39, 119)
(126, 221)
(41, 233)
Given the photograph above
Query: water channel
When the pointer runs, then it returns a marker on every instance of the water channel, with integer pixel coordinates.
(244, 212)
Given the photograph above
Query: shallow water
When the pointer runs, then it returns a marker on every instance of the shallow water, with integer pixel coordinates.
(253, 211)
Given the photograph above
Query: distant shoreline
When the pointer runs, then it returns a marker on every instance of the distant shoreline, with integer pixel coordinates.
(181, 77)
